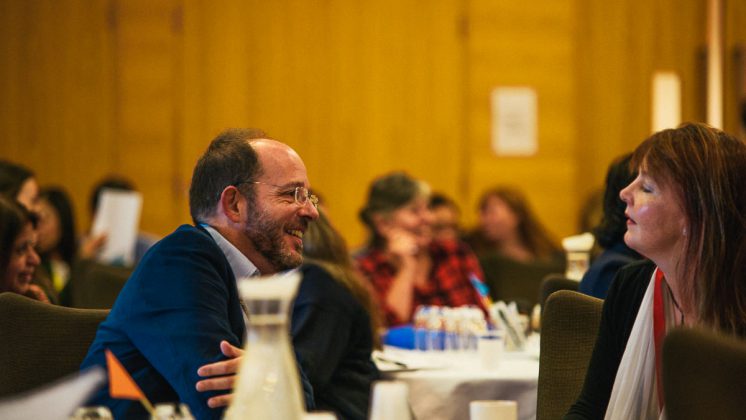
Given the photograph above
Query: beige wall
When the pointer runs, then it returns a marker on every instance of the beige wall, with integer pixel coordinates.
(357, 87)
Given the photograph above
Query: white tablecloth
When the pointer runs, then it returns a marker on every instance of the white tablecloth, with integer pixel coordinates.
(445, 392)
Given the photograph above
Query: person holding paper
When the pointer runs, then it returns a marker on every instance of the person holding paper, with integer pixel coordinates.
(404, 264)
(124, 192)
(178, 323)
(686, 212)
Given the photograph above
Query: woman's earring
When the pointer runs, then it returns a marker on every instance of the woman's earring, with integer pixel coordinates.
(683, 232)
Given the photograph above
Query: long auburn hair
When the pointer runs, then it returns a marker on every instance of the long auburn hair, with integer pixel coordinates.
(325, 247)
(707, 167)
(533, 234)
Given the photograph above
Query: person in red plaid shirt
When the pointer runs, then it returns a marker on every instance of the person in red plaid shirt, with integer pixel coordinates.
(403, 262)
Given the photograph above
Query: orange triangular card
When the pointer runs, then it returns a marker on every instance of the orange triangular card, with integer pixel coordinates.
(121, 384)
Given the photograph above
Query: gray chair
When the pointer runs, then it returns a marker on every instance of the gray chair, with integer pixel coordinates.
(568, 333)
(554, 282)
(40, 342)
(511, 280)
(96, 286)
(704, 375)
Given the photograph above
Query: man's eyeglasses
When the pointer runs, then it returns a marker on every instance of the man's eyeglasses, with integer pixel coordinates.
(301, 195)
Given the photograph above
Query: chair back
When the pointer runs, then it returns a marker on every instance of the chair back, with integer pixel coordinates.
(40, 342)
(510, 280)
(95, 285)
(568, 334)
(554, 282)
(704, 375)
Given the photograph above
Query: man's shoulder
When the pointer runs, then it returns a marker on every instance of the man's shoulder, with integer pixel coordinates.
(186, 241)
(188, 231)
(186, 236)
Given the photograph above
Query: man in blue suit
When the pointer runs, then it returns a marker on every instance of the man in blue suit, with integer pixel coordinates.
(178, 325)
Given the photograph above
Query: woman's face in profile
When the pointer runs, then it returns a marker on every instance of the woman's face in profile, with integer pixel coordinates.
(655, 219)
(497, 219)
(28, 195)
(415, 219)
(22, 263)
(49, 229)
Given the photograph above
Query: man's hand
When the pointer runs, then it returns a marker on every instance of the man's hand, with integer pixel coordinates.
(221, 375)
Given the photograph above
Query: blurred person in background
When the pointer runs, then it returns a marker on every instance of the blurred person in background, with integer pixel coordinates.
(592, 211)
(335, 324)
(93, 244)
(57, 238)
(405, 265)
(446, 216)
(512, 245)
(18, 183)
(686, 212)
(18, 257)
(610, 232)
(509, 228)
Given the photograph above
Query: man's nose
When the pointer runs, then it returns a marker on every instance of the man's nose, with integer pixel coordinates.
(310, 210)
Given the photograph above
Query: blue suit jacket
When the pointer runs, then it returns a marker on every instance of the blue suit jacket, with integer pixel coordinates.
(168, 320)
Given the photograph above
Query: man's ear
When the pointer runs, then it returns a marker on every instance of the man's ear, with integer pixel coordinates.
(232, 203)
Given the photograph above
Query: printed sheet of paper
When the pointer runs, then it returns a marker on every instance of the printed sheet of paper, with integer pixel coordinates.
(56, 401)
(514, 121)
(118, 216)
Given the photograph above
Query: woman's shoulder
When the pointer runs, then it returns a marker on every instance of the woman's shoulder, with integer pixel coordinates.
(631, 281)
(637, 271)
(319, 286)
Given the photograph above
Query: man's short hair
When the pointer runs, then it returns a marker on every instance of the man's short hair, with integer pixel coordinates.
(229, 160)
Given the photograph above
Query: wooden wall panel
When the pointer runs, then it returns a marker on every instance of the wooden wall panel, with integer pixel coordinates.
(57, 83)
(358, 88)
(734, 22)
(619, 47)
(525, 44)
(148, 69)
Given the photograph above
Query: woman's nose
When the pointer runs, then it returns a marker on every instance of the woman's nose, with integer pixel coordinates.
(33, 258)
(625, 194)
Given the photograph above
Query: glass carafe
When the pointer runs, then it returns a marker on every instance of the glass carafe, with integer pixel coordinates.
(268, 384)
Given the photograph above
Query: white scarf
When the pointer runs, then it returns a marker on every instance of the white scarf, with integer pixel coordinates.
(634, 395)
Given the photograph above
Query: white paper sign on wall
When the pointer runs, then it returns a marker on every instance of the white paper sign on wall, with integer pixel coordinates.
(666, 100)
(514, 121)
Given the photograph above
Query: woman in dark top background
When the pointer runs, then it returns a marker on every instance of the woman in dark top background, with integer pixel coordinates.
(57, 238)
(610, 233)
(514, 249)
(686, 212)
(334, 324)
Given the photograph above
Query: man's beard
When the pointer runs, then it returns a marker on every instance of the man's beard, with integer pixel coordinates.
(268, 237)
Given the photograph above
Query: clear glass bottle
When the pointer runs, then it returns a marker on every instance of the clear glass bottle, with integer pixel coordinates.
(268, 384)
